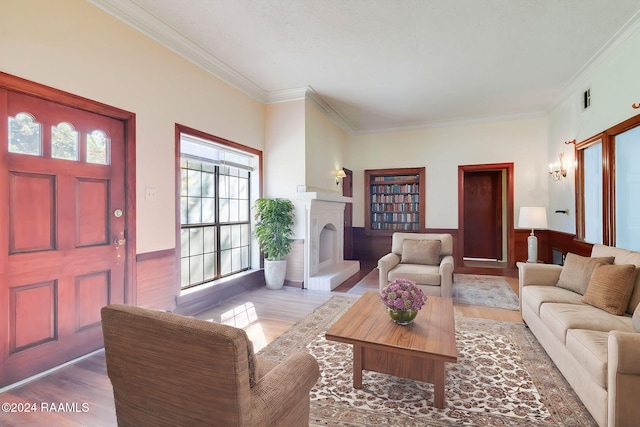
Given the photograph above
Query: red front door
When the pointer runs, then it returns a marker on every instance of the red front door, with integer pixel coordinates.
(62, 231)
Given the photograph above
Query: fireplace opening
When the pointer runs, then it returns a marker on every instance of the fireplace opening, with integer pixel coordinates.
(326, 248)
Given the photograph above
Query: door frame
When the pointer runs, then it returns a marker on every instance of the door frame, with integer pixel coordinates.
(508, 167)
(18, 84)
(349, 177)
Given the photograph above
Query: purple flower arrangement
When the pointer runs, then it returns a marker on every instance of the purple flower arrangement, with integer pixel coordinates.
(402, 295)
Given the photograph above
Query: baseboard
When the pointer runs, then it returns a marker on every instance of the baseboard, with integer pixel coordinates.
(191, 303)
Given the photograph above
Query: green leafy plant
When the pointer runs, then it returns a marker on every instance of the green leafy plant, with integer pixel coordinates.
(273, 228)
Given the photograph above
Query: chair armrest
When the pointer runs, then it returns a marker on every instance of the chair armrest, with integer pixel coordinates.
(288, 382)
(385, 264)
(446, 276)
(623, 378)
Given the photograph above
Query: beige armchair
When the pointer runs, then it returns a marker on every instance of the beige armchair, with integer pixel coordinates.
(172, 370)
(426, 259)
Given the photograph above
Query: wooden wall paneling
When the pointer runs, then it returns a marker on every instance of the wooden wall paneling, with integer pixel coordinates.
(158, 280)
(366, 247)
(567, 242)
(372, 248)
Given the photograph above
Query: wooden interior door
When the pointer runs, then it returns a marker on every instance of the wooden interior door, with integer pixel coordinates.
(483, 214)
(347, 191)
(62, 251)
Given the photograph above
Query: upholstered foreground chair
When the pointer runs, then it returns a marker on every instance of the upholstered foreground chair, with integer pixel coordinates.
(426, 259)
(171, 370)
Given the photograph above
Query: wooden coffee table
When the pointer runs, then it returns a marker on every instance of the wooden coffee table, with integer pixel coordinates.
(417, 351)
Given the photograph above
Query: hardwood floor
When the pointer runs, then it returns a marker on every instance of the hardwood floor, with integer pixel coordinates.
(80, 394)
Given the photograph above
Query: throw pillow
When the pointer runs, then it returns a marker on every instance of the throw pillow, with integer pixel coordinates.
(425, 252)
(577, 270)
(610, 288)
(636, 318)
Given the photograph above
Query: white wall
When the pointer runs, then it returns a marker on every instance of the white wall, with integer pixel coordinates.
(327, 148)
(441, 150)
(615, 86)
(76, 47)
(284, 156)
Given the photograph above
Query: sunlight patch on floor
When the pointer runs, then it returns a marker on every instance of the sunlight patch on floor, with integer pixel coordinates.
(245, 316)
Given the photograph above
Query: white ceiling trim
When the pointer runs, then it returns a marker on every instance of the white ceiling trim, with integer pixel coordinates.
(464, 121)
(139, 19)
(580, 81)
(142, 21)
(331, 112)
(286, 95)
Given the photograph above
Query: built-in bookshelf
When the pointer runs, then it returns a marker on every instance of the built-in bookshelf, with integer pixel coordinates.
(394, 200)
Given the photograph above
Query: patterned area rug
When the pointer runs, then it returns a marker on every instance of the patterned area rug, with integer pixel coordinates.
(489, 291)
(503, 378)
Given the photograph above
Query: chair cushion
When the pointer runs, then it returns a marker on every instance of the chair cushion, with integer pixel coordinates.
(426, 252)
(610, 288)
(577, 270)
(417, 273)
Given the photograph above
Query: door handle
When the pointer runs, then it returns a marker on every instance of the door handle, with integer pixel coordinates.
(119, 242)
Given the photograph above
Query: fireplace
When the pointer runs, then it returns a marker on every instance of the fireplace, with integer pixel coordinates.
(324, 265)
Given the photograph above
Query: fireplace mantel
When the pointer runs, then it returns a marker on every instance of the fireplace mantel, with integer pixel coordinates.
(324, 264)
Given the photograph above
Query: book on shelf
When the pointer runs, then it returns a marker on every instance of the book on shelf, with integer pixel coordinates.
(395, 178)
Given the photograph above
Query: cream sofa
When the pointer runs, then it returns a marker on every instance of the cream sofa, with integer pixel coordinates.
(597, 352)
(409, 259)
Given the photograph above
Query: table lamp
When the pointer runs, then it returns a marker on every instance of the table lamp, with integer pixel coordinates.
(532, 217)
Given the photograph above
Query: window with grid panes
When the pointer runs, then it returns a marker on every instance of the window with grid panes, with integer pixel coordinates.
(215, 230)
(608, 177)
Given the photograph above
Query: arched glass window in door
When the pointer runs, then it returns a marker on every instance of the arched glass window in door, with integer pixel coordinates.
(98, 147)
(25, 135)
(64, 142)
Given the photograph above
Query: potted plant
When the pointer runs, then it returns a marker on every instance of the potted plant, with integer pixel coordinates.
(273, 230)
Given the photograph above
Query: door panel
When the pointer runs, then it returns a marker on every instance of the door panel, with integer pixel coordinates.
(31, 212)
(37, 302)
(92, 216)
(62, 265)
(483, 214)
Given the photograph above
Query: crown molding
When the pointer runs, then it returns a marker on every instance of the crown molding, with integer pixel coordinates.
(464, 121)
(580, 80)
(331, 112)
(286, 95)
(142, 21)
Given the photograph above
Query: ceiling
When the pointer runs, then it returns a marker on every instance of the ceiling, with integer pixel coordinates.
(377, 65)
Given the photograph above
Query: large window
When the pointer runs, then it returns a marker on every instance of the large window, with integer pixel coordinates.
(215, 231)
(608, 178)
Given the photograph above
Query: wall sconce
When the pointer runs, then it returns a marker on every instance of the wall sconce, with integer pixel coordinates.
(339, 175)
(557, 170)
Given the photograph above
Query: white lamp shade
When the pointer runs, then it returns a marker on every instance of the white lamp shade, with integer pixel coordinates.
(533, 217)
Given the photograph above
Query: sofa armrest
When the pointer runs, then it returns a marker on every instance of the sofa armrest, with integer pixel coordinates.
(446, 276)
(538, 274)
(385, 264)
(623, 378)
(279, 389)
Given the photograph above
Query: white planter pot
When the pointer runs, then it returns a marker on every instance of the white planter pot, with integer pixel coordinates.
(274, 273)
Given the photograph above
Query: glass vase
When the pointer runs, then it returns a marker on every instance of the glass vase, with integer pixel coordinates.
(403, 317)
